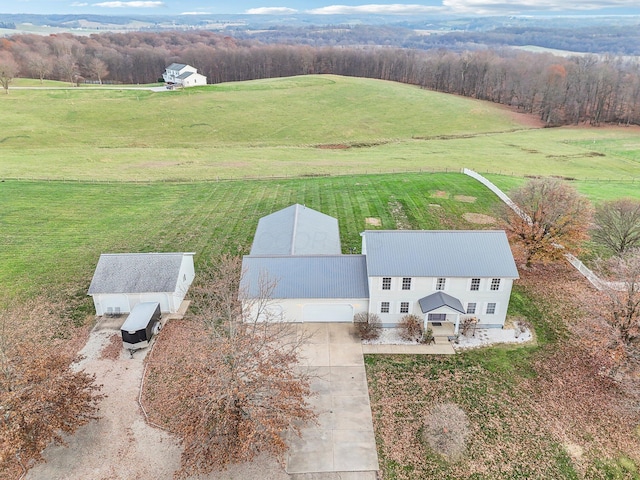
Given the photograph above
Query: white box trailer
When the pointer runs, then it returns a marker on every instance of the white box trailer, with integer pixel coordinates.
(141, 325)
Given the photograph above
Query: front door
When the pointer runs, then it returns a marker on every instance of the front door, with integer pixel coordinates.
(437, 317)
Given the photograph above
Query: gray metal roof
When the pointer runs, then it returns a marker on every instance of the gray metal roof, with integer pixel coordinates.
(306, 276)
(176, 66)
(297, 230)
(439, 253)
(440, 299)
(136, 273)
(139, 317)
(184, 75)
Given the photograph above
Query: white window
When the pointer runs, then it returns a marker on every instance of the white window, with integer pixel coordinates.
(406, 283)
(491, 308)
(475, 284)
(404, 307)
(471, 308)
(495, 284)
(440, 283)
(384, 307)
(386, 283)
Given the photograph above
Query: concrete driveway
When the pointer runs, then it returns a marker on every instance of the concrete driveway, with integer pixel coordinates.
(343, 441)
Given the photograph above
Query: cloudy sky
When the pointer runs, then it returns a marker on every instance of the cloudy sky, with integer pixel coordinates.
(323, 7)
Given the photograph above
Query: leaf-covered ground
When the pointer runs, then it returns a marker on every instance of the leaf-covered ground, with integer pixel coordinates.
(541, 411)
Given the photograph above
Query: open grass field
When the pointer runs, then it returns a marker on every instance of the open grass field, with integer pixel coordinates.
(289, 127)
(51, 233)
(125, 147)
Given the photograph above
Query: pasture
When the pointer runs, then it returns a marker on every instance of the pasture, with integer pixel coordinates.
(51, 233)
(146, 170)
(297, 126)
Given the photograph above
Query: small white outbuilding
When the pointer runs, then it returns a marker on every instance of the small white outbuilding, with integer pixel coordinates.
(123, 280)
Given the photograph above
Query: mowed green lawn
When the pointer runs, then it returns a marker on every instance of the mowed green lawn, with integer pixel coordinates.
(51, 233)
(287, 127)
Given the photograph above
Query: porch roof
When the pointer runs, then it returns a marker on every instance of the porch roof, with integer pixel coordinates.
(440, 299)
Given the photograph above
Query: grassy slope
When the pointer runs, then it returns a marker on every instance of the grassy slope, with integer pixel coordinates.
(51, 233)
(274, 127)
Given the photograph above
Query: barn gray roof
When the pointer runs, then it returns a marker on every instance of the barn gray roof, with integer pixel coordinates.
(297, 230)
(136, 273)
(438, 300)
(307, 276)
(439, 253)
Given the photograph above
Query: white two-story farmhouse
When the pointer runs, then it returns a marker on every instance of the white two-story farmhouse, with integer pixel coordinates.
(181, 75)
(441, 276)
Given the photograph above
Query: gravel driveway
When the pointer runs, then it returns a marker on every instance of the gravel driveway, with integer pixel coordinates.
(121, 445)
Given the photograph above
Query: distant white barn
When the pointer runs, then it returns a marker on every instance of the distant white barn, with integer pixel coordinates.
(182, 75)
(123, 280)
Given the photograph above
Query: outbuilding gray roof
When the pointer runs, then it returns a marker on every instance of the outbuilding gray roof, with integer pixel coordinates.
(136, 273)
(306, 276)
(297, 230)
(438, 253)
(438, 300)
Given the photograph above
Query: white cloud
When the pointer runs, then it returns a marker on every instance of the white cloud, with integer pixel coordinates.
(386, 9)
(271, 11)
(515, 6)
(129, 4)
(195, 13)
(79, 4)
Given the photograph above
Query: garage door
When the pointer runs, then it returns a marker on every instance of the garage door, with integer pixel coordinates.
(327, 313)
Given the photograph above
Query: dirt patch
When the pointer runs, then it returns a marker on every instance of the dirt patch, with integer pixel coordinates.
(435, 205)
(465, 198)
(113, 349)
(399, 215)
(574, 451)
(479, 218)
(333, 146)
(376, 222)
(439, 194)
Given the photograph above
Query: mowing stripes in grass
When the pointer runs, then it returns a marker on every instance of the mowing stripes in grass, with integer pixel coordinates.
(51, 233)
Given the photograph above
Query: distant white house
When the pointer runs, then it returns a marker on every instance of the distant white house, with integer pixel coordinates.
(442, 276)
(123, 280)
(181, 75)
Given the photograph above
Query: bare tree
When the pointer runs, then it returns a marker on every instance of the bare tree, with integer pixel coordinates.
(67, 67)
(39, 65)
(245, 391)
(98, 68)
(553, 216)
(8, 70)
(617, 225)
(623, 292)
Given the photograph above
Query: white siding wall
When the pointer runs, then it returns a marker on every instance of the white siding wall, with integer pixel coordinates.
(293, 309)
(459, 288)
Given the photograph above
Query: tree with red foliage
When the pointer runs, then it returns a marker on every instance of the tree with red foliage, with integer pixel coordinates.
(553, 217)
(41, 397)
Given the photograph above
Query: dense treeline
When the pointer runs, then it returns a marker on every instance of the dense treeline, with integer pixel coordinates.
(560, 90)
(616, 39)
